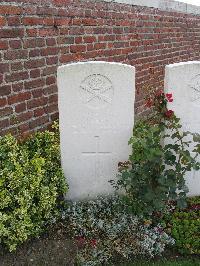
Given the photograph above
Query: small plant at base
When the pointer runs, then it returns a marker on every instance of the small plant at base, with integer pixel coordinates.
(184, 226)
(161, 156)
(103, 230)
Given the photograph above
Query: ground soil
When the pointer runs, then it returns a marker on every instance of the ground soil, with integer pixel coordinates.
(53, 248)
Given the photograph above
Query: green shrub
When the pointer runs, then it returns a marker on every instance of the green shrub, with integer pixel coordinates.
(184, 226)
(161, 156)
(31, 186)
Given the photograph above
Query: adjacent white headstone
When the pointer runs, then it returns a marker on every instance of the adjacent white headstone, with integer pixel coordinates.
(96, 116)
(183, 81)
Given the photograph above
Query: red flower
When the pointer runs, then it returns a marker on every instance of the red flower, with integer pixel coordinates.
(169, 113)
(93, 243)
(169, 97)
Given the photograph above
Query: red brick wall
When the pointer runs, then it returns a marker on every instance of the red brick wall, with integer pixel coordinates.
(37, 36)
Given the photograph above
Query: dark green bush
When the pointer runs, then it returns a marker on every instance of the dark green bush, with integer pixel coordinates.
(184, 226)
(31, 186)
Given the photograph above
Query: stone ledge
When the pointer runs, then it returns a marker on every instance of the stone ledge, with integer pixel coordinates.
(164, 5)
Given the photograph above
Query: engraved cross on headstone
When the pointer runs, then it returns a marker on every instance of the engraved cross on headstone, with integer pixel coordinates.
(97, 153)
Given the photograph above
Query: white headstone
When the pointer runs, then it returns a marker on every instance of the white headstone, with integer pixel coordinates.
(183, 81)
(96, 116)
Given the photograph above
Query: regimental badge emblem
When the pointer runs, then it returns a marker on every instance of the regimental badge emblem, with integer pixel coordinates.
(96, 91)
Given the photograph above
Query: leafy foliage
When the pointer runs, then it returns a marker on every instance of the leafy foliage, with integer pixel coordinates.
(104, 230)
(161, 156)
(31, 183)
(184, 226)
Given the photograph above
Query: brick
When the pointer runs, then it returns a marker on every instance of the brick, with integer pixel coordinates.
(49, 70)
(11, 33)
(4, 67)
(65, 58)
(35, 63)
(78, 40)
(66, 40)
(89, 21)
(54, 116)
(40, 42)
(38, 122)
(50, 80)
(15, 44)
(20, 97)
(53, 98)
(34, 53)
(13, 131)
(13, 21)
(77, 48)
(17, 86)
(47, 32)
(38, 102)
(21, 107)
(52, 60)
(17, 66)
(64, 50)
(35, 73)
(5, 90)
(89, 39)
(61, 2)
(32, 21)
(15, 76)
(34, 83)
(48, 21)
(62, 21)
(52, 89)
(51, 108)
(37, 93)
(50, 41)
(3, 101)
(2, 21)
(76, 31)
(10, 10)
(23, 129)
(1, 78)
(4, 123)
(18, 54)
(31, 32)
(39, 112)
(30, 9)
(6, 111)
(98, 46)
(49, 51)
(3, 44)
(34, 42)
(47, 11)
(21, 118)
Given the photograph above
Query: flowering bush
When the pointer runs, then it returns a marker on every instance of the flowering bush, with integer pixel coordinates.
(103, 230)
(160, 158)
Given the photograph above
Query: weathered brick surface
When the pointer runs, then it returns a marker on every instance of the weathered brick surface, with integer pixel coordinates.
(37, 36)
